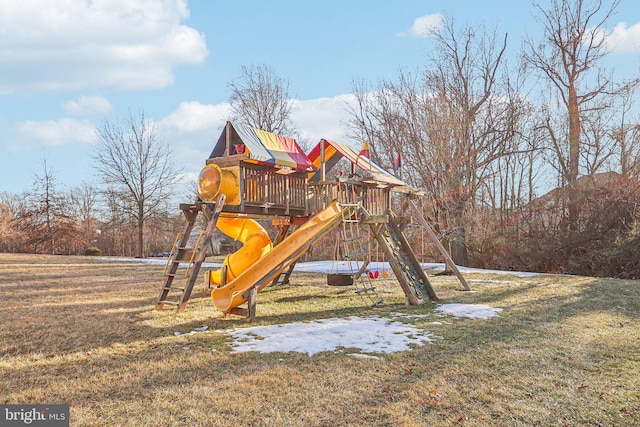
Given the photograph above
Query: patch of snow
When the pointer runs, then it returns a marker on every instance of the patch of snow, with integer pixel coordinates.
(327, 267)
(473, 311)
(494, 282)
(370, 334)
(193, 332)
(408, 316)
(362, 356)
(483, 271)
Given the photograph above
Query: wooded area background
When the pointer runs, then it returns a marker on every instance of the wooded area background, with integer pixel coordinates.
(526, 166)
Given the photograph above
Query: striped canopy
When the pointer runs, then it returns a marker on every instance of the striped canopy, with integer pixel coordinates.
(334, 151)
(262, 147)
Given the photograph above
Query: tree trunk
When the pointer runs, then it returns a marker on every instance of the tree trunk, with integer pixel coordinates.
(459, 252)
(574, 155)
(140, 238)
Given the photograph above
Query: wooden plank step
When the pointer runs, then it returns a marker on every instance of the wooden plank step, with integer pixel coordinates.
(169, 288)
(183, 255)
(169, 302)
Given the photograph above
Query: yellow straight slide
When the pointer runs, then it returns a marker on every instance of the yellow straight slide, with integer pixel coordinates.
(280, 257)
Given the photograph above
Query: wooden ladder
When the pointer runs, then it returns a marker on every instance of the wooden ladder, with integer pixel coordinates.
(193, 257)
(403, 262)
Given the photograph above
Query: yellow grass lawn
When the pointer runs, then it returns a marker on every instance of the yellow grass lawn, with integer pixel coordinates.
(564, 351)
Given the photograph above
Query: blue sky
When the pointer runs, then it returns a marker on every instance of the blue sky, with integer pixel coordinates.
(68, 65)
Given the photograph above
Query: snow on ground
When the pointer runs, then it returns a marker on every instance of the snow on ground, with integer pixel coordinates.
(371, 334)
(327, 267)
(344, 267)
(473, 311)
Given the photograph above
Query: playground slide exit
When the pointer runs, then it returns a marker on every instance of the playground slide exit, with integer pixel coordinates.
(255, 244)
(280, 257)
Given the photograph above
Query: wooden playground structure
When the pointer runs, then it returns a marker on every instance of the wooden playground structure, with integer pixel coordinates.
(256, 175)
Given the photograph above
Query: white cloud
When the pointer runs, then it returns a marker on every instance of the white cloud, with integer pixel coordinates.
(625, 39)
(424, 26)
(191, 131)
(321, 118)
(193, 116)
(70, 44)
(87, 105)
(53, 133)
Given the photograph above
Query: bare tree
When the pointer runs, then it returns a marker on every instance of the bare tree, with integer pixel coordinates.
(259, 98)
(137, 166)
(626, 133)
(115, 223)
(568, 57)
(46, 220)
(84, 200)
(12, 207)
(451, 123)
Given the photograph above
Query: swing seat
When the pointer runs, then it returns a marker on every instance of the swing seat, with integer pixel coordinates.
(339, 279)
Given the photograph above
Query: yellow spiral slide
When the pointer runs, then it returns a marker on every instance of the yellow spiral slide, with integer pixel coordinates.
(255, 244)
(268, 267)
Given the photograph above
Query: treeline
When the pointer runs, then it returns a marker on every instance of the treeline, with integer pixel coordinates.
(529, 165)
(535, 236)
(79, 220)
(603, 240)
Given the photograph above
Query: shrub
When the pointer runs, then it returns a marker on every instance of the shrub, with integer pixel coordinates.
(604, 242)
(93, 252)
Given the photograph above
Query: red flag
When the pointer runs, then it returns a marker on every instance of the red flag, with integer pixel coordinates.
(399, 161)
(364, 152)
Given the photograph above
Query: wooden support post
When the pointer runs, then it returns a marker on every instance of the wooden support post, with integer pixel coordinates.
(228, 139)
(434, 239)
(253, 299)
(323, 170)
(250, 311)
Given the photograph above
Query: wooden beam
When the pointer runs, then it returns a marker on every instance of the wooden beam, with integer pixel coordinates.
(441, 249)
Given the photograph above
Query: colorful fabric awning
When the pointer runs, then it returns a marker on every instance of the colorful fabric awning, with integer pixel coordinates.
(262, 146)
(334, 151)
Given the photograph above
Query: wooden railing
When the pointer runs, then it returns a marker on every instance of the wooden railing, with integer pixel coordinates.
(375, 200)
(271, 191)
(268, 189)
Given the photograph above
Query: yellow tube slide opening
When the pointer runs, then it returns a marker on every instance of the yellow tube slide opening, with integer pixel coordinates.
(214, 180)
